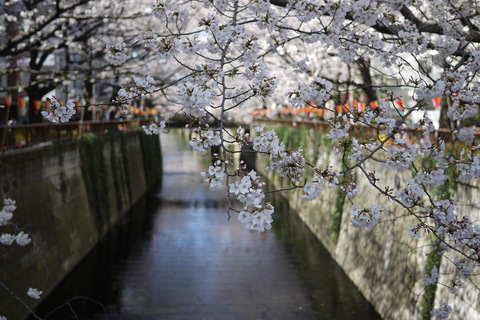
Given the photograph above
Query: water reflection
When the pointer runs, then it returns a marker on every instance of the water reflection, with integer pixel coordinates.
(179, 258)
(332, 294)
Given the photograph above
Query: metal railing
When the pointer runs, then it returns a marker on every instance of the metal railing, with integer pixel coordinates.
(410, 132)
(25, 135)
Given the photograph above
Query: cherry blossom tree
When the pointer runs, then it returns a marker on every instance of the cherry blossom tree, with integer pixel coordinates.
(230, 50)
(61, 43)
(229, 57)
(79, 36)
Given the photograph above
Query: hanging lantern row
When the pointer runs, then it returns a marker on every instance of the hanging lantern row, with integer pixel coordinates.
(345, 108)
(38, 104)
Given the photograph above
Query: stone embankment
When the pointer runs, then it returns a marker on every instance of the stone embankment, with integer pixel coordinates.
(385, 263)
(68, 196)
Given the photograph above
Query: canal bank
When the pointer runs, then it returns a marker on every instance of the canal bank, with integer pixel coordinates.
(182, 258)
(384, 263)
(68, 196)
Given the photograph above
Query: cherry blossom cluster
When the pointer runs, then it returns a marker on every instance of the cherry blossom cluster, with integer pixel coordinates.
(249, 191)
(34, 293)
(457, 232)
(58, 112)
(443, 212)
(116, 54)
(366, 217)
(319, 91)
(464, 104)
(466, 135)
(401, 155)
(383, 117)
(411, 195)
(354, 148)
(195, 98)
(239, 54)
(215, 176)
(434, 176)
(432, 278)
(340, 126)
(366, 12)
(463, 234)
(287, 163)
(154, 128)
(258, 219)
(264, 87)
(169, 10)
(466, 269)
(313, 189)
(165, 47)
(134, 89)
(348, 185)
(442, 312)
(6, 214)
(267, 142)
(242, 137)
(204, 140)
(22, 239)
(410, 39)
(468, 167)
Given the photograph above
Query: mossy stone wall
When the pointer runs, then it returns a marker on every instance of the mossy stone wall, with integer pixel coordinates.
(68, 196)
(385, 263)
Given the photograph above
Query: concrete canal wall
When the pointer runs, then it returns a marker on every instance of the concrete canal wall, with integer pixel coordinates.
(68, 196)
(385, 263)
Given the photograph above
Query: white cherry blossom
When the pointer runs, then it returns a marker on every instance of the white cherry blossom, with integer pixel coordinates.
(58, 112)
(34, 293)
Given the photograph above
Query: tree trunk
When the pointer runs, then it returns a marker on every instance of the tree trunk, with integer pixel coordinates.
(364, 67)
(34, 93)
(445, 121)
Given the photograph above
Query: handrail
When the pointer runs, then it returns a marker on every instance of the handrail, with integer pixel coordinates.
(25, 135)
(410, 132)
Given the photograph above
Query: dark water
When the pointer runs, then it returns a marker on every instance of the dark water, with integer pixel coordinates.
(176, 256)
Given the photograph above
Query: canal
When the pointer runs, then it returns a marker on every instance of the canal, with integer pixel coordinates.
(176, 256)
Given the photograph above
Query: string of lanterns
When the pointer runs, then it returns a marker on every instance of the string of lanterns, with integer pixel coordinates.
(343, 108)
(39, 104)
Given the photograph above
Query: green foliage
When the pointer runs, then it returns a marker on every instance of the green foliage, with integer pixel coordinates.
(449, 187)
(283, 132)
(296, 137)
(428, 297)
(293, 138)
(299, 138)
(314, 146)
(471, 121)
(327, 144)
(445, 191)
(337, 214)
(429, 162)
(152, 158)
(116, 172)
(94, 172)
(339, 204)
(126, 164)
